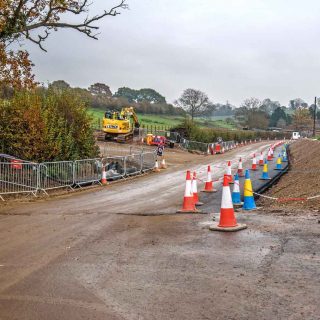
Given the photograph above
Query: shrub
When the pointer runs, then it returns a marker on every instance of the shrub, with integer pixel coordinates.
(46, 126)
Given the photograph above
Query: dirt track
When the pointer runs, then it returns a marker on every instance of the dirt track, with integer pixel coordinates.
(90, 257)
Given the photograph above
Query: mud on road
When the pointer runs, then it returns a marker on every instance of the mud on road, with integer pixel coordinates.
(78, 258)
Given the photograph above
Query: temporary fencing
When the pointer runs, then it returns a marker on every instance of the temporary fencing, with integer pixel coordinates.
(87, 171)
(54, 175)
(194, 145)
(19, 177)
(115, 167)
(148, 160)
(133, 164)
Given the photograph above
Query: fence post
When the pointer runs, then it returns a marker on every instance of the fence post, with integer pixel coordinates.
(38, 177)
(125, 165)
(141, 163)
(142, 159)
(73, 173)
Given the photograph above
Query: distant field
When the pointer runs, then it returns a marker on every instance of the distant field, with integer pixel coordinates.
(165, 120)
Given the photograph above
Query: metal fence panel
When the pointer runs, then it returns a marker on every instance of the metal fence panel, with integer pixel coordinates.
(54, 175)
(18, 177)
(148, 161)
(115, 167)
(87, 171)
(133, 164)
(198, 146)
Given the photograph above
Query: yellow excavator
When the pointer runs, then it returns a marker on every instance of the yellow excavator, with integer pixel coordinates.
(119, 126)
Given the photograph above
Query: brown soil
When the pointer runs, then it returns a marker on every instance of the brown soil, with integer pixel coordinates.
(302, 181)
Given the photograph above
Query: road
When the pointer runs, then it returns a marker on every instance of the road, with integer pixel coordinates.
(121, 252)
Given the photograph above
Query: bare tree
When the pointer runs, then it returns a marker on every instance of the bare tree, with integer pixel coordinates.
(194, 102)
(251, 103)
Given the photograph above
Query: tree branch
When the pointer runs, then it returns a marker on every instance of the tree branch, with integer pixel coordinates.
(48, 17)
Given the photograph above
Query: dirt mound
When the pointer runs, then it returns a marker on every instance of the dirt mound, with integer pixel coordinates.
(302, 181)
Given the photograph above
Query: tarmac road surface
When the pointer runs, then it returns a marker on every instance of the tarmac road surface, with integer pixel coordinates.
(121, 252)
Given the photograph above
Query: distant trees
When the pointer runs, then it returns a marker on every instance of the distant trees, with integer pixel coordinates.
(278, 115)
(269, 106)
(301, 119)
(59, 85)
(150, 95)
(218, 109)
(99, 96)
(141, 95)
(100, 89)
(251, 103)
(281, 123)
(257, 119)
(297, 103)
(194, 102)
(250, 114)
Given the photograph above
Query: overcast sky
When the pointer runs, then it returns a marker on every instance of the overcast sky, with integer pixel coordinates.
(230, 49)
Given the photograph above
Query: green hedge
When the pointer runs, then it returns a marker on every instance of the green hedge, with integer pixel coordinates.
(46, 126)
(209, 135)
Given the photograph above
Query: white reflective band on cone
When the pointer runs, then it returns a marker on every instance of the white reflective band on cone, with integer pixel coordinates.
(226, 202)
(194, 186)
(188, 190)
(236, 187)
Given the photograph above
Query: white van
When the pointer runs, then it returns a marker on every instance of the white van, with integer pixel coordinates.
(295, 135)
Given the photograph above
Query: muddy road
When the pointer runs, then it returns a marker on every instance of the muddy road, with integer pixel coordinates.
(118, 253)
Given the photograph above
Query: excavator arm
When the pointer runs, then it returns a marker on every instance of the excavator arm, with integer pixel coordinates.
(129, 112)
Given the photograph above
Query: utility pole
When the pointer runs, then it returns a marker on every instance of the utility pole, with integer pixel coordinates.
(314, 116)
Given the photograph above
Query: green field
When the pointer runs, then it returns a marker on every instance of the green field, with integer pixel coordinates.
(165, 120)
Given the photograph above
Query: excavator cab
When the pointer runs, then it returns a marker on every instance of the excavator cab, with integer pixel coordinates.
(108, 115)
(119, 126)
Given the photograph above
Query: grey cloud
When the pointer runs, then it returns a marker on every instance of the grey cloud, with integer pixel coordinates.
(230, 49)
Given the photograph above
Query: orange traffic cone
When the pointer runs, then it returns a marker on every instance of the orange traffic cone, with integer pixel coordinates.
(104, 176)
(208, 187)
(269, 157)
(156, 167)
(195, 190)
(261, 160)
(254, 163)
(240, 168)
(188, 200)
(228, 220)
(271, 151)
(229, 172)
(163, 164)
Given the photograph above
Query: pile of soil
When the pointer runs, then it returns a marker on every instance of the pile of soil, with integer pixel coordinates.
(302, 181)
